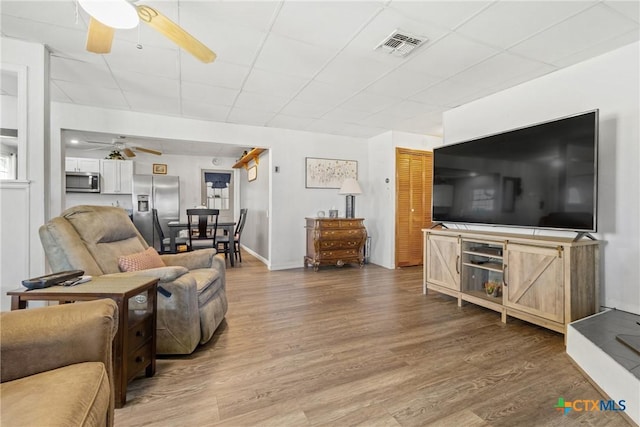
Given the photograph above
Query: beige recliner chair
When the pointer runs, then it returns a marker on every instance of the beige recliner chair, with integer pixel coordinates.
(91, 238)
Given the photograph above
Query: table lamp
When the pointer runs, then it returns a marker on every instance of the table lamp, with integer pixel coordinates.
(350, 187)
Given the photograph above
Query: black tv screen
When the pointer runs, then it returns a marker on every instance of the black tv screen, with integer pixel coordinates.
(543, 175)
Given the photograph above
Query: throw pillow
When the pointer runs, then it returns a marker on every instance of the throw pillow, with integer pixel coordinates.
(141, 261)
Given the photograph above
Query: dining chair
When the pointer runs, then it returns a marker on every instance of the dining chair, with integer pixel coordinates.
(165, 242)
(203, 227)
(225, 241)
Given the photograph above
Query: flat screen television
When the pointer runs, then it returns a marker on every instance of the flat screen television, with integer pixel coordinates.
(539, 176)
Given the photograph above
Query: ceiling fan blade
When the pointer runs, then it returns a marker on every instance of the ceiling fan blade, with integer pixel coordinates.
(175, 33)
(148, 150)
(128, 152)
(99, 37)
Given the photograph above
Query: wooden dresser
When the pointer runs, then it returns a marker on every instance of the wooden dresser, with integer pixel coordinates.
(334, 241)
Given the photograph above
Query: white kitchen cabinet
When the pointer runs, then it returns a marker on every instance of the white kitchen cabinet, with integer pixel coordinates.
(117, 176)
(79, 164)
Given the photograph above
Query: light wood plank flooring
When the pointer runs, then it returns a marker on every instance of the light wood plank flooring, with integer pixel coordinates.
(350, 346)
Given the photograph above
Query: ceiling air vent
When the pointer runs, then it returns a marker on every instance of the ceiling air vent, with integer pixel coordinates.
(400, 43)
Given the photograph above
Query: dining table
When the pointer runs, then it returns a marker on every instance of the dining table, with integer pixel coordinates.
(176, 226)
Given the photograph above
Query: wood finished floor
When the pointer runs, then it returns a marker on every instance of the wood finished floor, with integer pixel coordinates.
(350, 346)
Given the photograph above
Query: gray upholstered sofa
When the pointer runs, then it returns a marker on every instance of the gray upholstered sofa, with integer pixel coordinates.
(92, 238)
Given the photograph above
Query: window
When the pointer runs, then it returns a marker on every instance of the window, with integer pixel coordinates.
(216, 189)
(7, 164)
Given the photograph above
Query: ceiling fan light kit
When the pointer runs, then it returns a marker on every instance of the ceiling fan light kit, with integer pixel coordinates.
(108, 15)
(118, 14)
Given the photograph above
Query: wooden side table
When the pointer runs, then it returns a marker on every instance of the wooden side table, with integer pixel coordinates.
(134, 346)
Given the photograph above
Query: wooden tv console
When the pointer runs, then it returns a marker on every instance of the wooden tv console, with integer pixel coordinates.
(548, 281)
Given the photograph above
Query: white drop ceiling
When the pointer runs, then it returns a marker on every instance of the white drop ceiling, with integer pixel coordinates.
(311, 65)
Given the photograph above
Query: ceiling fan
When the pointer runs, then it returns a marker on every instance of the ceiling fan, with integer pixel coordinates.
(120, 146)
(109, 15)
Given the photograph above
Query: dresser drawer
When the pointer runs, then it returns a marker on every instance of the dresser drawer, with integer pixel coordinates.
(138, 360)
(339, 244)
(339, 253)
(339, 223)
(140, 333)
(341, 234)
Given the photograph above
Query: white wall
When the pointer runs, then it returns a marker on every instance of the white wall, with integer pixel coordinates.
(254, 195)
(24, 204)
(290, 201)
(610, 83)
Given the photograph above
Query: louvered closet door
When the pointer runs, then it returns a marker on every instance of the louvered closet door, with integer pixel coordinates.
(413, 203)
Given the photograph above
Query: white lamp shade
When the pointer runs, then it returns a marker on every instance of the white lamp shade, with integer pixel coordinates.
(113, 13)
(350, 186)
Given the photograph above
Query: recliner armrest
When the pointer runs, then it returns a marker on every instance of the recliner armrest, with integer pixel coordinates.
(203, 258)
(41, 339)
(164, 274)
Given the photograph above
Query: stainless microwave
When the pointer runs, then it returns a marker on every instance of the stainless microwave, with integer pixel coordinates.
(83, 182)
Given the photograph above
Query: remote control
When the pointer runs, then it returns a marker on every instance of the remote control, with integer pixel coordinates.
(51, 279)
(76, 281)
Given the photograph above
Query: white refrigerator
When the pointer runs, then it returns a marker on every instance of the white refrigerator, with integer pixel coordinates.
(160, 192)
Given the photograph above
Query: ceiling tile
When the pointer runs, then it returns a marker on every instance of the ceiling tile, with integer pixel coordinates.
(304, 110)
(214, 95)
(381, 119)
(407, 109)
(249, 117)
(289, 122)
(600, 48)
(402, 83)
(499, 68)
(344, 115)
(575, 34)
(260, 102)
(152, 103)
(325, 94)
(309, 21)
(425, 124)
(631, 9)
(270, 83)
(446, 93)
(449, 56)
(150, 60)
(59, 13)
(326, 126)
(218, 73)
(205, 110)
(147, 83)
(369, 102)
(231, 43)
(88, 95)
(87, 73)
(449, 14)
(358, 131)
(353, 71)
(255, 15)
(508, 22)
(61, 41)
(293, 57)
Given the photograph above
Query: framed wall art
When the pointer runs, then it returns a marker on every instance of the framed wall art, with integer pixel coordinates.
(329, 173)
(160, 168)
(252, 173)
